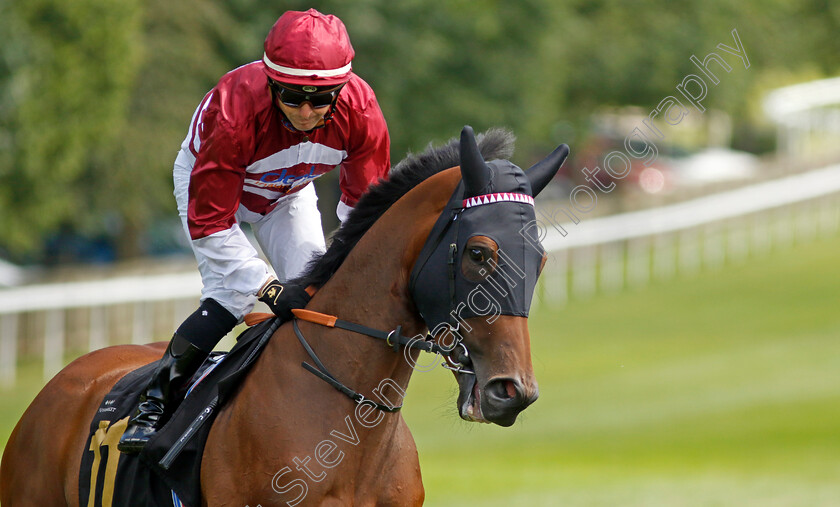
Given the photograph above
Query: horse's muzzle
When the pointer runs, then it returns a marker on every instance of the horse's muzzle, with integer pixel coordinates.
(505, 398)
(500, 400)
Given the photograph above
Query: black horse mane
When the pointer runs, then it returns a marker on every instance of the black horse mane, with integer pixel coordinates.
(410, 172)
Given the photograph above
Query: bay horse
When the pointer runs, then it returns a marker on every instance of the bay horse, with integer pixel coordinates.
(420, 252)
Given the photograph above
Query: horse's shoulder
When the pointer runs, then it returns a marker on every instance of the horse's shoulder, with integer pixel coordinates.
(401, 483)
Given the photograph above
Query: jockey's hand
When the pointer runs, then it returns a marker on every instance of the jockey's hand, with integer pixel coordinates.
(283, 298)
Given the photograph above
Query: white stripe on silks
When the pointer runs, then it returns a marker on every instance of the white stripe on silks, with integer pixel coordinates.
(185, 157)
(262, 192)
(303, 153)
(274, 192)
(200, 112)
(306, 72)
(498, 197)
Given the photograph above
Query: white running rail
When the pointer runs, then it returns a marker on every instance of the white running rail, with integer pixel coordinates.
(601, 254)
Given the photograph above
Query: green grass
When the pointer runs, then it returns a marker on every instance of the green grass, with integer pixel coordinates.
(13, 401)
(718, 390)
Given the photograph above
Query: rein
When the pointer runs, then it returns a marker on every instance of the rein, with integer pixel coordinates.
(324, 374)
(393, 339)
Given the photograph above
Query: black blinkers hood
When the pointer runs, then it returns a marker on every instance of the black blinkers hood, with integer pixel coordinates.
(494, 199)
(501, 211)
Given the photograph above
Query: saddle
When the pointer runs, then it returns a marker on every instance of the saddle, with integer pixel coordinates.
(168, 470)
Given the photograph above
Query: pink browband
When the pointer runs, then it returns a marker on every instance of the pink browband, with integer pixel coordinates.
(498, 197)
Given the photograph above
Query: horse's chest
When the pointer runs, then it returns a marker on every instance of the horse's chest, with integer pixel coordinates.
(345, 466)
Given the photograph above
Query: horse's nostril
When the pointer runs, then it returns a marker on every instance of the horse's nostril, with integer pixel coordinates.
(504, 390)
(504, 398)
(510, 388)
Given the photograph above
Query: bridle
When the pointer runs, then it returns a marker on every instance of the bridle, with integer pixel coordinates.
(444, 234)
(394, 338)
(482, 183)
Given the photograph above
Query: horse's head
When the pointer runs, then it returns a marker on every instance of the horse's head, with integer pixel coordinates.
(475, 277)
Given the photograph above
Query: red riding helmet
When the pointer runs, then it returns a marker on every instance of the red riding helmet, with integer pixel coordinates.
(308, 48)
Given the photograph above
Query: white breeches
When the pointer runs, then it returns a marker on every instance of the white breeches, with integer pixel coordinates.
(231, 270)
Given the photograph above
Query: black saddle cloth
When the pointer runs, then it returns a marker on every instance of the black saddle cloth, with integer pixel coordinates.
(171, 461)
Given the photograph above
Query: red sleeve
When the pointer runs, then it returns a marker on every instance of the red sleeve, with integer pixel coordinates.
(369, 156)
(217, 177)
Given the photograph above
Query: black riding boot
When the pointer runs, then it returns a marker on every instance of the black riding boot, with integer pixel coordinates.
(165, 390)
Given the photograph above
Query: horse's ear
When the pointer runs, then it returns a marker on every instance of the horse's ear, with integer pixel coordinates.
(541, 173)
(474, 171)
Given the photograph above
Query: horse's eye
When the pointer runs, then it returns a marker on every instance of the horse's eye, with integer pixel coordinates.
(476, 255)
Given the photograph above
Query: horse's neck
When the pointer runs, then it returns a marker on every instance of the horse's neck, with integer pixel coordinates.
(371, 288)
(283, 412)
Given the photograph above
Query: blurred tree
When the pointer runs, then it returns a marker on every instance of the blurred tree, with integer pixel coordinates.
(95, 96)
(66, 74)
(188, 46)
(437, 65)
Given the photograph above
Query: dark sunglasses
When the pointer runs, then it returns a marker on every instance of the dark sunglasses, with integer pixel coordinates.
(294, 98)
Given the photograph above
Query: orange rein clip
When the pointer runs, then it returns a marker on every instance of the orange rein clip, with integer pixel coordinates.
(315, 317)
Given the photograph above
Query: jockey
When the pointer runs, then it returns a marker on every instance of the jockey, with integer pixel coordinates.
(254, 145)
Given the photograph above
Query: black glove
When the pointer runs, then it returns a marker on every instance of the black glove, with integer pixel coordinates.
(283, 298)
